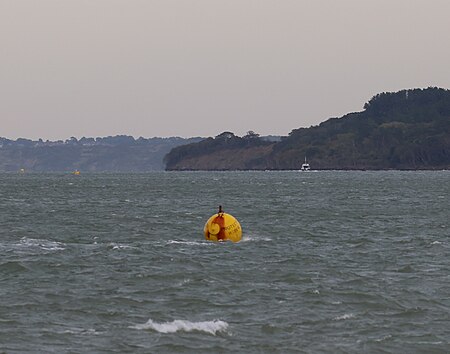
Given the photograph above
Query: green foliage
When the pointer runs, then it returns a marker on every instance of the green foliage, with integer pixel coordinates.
(211, 146)
(409, 129)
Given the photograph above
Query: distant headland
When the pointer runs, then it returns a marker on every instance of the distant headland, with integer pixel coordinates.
(408, 129)
(108, 154)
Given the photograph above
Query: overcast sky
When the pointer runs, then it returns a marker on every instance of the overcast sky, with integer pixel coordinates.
(200, 67)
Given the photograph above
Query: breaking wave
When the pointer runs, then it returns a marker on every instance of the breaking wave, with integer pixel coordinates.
(211, 327)
(42, 244)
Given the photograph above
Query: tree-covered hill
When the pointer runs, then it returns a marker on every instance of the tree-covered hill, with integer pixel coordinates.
(409, 129)
(225, 151)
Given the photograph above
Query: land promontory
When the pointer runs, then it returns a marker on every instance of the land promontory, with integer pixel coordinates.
(408, 129)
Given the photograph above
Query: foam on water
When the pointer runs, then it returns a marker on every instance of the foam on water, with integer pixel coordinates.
(383, 338)
(118, 246)
(345, 316)
(42, 244)
(254, 238)
(211, 327)
(80, 331)
(189, 243)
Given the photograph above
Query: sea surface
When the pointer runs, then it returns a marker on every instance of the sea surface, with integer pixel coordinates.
(330, 262)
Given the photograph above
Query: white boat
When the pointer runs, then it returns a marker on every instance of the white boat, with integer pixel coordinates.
(305, 166)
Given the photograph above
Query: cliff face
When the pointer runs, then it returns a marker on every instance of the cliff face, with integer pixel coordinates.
(409, 129)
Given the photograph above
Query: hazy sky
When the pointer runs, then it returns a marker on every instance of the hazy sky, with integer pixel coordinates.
(200, 67)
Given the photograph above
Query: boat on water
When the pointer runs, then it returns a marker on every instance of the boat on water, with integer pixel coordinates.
(305, 166)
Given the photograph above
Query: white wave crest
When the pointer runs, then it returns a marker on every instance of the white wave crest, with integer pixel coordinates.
(251, 238)
(42, 244)
(189, 243)
(118, 246)
(344, 317)
(211, 327)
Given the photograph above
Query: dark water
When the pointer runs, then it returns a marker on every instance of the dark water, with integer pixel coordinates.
(330, 262)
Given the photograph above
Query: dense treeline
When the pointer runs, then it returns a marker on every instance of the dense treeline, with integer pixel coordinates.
(225, 142)
(409, 129)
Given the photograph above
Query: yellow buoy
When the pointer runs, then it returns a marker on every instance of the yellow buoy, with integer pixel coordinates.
(222, 227)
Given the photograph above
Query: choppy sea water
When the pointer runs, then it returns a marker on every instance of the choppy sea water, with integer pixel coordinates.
(332, 262)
